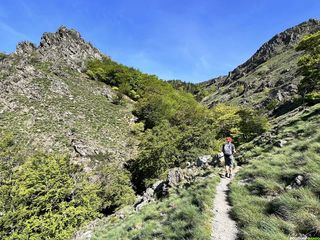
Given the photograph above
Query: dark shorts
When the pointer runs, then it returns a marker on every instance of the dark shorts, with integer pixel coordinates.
(228, 160)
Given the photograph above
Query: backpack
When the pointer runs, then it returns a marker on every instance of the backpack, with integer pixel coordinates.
(227, 149)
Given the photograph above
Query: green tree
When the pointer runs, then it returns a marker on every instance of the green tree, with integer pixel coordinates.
(309, 66)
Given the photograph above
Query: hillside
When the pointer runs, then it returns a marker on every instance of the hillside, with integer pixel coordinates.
(48, 104)
(94, 149)
(276, 195)
(269, 78)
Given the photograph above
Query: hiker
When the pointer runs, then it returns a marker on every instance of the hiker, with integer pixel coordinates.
(228, 150)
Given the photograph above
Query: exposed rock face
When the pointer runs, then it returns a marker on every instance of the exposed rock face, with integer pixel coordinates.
(269, 78)
(65, 45)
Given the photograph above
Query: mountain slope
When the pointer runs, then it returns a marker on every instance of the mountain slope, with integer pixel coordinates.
(268, 78)
(49, 105)
(276, 195)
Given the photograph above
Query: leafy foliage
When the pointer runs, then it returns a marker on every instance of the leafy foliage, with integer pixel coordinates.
(47, 197)
(243, 124)
(196, 90)
(309, 66)
(114, 186)
(165, 147)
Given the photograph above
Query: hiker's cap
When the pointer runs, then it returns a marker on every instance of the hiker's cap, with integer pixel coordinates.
(229, 139)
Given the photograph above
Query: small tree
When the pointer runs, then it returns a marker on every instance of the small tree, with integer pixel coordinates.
(309, 66)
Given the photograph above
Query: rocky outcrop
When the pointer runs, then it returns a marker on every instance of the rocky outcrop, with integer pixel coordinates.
(64, 46)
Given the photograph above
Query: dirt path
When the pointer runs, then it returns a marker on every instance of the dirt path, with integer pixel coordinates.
(223, 226)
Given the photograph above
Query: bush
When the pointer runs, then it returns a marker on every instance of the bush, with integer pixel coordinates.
(47, 197)
(115, 188)
(243, 124)
(3, 56)
(167, 146)
(309, 64)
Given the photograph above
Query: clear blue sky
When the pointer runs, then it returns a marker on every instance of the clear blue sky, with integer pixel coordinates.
(192, 40)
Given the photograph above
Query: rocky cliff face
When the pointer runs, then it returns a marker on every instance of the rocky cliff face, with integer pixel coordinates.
(269, 76)
(64, 46)
(50, 105)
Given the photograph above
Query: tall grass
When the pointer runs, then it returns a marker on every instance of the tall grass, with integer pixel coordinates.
(185, 214)
(262, 205)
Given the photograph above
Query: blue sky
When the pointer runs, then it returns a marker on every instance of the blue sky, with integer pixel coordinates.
(192, 40)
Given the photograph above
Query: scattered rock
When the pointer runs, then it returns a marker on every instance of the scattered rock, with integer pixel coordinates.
(82, 149)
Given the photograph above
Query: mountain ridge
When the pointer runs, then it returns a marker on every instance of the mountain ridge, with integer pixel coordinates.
(268, 78)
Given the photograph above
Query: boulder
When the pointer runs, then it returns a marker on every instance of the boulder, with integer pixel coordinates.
(218, 159)
(160, 189)
(299, 181)
(175, 176)
(280, 143)
(204, 160)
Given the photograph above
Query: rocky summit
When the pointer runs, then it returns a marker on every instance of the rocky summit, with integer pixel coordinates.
(50, 105)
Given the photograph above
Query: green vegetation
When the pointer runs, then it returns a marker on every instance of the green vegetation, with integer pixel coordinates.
(3, 56)
(263, 205)
(195, 89)
(164, 147)
(243, 124)
(185, 214)
(178, 128)
(114, 186)
(168, 115)
(46, 197)
(309, 67)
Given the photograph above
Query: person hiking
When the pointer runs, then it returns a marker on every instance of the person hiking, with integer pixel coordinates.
(228, 150)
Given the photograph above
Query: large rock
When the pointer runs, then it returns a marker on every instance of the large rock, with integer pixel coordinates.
(175, 176)
(160, 188)
(204, 160)
(299, 181)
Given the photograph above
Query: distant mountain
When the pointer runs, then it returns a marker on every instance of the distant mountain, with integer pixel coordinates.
(268, 78)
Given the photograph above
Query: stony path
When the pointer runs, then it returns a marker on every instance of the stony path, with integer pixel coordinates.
(223, 228)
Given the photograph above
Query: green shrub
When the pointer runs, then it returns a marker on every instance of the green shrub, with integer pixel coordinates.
(47, 197)
(309, 65)
(3, 56)
(115, 188)
(167, 146)
(137, 128)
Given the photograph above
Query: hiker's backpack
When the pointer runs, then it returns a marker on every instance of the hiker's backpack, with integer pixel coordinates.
(227, 149)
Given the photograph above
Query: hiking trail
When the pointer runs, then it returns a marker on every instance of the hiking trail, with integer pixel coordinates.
(223, 226)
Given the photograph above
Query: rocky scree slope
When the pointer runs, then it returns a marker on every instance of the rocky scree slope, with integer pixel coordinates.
(50, 105)
(268, 79)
